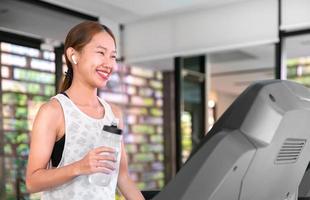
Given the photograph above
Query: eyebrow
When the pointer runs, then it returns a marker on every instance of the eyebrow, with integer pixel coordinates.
(102, 47)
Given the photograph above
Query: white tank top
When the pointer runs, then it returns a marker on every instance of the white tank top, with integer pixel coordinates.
(81, 131)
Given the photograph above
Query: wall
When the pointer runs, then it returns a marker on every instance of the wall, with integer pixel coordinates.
(295, 14)
(230, 26)
(224, 100)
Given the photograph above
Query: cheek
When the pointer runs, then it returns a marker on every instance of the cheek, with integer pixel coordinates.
(114, 65)
(90, 64)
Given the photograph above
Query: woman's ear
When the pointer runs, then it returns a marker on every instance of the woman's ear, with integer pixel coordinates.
(73, 59)
(70, 52)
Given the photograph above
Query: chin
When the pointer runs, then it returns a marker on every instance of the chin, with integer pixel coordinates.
(102, 84)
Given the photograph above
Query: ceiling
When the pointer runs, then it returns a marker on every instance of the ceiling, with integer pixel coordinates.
(126, 11)
(35, 21)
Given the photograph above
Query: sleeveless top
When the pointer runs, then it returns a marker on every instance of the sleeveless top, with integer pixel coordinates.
(82, 133)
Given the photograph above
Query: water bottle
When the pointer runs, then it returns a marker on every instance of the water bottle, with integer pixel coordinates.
(111, 137)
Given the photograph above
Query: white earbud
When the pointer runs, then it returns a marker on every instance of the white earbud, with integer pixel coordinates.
(73, 59)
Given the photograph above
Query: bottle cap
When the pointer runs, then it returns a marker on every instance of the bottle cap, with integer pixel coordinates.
(115, 122)
(112, 129)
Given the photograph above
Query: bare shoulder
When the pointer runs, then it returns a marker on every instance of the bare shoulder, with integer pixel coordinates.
(49, 121)
(52, 107)
(51, 112)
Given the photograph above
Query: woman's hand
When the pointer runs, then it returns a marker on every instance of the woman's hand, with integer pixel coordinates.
(100, 159)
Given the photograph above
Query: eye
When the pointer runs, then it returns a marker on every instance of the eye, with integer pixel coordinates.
(101, 52)
(113, 57)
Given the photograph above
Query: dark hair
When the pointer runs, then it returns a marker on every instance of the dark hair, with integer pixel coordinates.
(79, 36)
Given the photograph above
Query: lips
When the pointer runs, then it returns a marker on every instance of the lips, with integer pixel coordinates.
(103, 74)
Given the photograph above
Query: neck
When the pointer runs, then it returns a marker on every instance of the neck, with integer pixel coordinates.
(83, 94)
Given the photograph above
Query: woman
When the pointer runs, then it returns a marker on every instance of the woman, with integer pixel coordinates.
(63, 150)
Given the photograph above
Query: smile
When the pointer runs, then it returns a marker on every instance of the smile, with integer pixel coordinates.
(103, 74)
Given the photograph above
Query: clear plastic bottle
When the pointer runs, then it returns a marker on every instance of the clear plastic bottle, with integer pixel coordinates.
(111, 137)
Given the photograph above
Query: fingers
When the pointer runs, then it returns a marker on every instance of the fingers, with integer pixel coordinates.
(103, 170)
(102, 149)
(105, 157)
(104, 163)
(104, 166)
(101, 159)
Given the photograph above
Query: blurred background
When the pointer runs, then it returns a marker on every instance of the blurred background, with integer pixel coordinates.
(181, 64)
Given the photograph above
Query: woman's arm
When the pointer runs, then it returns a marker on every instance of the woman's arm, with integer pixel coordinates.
(126, 186)
(50, 121)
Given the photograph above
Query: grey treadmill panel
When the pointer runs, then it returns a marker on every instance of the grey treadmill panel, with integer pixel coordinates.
(304, 187)
(258, 150)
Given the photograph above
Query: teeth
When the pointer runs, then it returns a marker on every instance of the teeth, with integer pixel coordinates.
(103, 73)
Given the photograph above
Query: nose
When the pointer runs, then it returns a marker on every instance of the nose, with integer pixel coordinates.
(110, 61)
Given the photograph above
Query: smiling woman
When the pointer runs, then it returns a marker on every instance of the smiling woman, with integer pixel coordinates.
(66, 139)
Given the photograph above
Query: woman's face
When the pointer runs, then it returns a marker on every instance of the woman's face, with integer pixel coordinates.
(97, 60)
